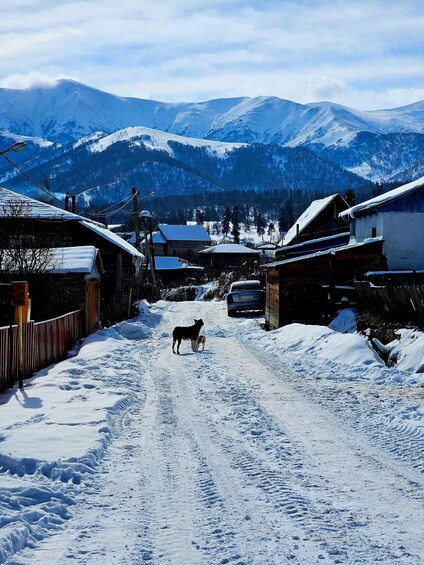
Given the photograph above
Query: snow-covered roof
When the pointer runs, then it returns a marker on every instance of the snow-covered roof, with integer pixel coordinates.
(308, 215)
(112, 237)
(79, 259)
(267, 245)
(394, 194)
(28, 207)
(184, 233)
(229, 248)
(334, 250)
(60, 260)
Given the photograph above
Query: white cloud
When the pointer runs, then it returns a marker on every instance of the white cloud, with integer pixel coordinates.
(352, 52)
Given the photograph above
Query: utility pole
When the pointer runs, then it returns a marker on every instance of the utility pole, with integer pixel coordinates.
(136, 218)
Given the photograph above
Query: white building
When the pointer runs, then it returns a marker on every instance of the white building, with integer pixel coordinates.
(397, 218)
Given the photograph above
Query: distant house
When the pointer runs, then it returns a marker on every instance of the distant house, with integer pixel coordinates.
(182, 241)
(321, 219)
(174, 271)
(229, 256)
(397, 217)
(27, 223)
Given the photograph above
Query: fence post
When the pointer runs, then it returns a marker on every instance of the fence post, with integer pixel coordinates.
(19, 300)
(20, 348)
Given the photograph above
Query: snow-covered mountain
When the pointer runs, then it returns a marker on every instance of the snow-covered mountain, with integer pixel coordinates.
(103, 166)
(70, 110)
(74, 119)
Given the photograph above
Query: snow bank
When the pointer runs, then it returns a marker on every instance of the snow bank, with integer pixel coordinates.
(338, 353)
(55, 431)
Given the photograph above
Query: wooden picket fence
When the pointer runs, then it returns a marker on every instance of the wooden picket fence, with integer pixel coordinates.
(400, 303)
(44, 343)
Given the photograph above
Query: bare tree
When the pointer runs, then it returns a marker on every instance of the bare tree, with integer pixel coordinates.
(22, 253)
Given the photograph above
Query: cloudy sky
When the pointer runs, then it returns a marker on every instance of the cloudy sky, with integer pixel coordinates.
(366, 54)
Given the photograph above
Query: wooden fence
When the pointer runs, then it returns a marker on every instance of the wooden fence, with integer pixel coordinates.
(403, 303)
(44, 343)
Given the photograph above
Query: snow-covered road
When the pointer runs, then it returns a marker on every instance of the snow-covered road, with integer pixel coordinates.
(227, 456)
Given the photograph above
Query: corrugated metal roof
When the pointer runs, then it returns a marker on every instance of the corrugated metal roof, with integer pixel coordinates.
(184, 233)
(27, 207)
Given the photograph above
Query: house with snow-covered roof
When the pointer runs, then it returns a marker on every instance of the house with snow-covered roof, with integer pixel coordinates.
(184, 241)
(229, 256)
(29, 223)
(320, 219)
(67, 280)
(397, 218)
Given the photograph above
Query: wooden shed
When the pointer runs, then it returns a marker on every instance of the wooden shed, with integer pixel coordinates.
(310, 288)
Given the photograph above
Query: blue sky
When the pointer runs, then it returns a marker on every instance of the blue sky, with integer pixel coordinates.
(364, 54)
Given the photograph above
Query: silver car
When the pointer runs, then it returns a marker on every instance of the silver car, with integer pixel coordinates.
(245, 296)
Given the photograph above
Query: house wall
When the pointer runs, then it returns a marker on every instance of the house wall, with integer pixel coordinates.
(185, 249)
(403, 235)
(52, 295)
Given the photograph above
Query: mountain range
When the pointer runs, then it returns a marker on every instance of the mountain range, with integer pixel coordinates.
(84, 140)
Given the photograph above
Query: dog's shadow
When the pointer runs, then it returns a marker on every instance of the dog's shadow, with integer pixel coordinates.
(196, 353)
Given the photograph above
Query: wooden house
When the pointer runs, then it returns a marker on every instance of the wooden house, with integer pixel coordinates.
(68, 281)
(311, 288)
(28, 223)
(321, 219)
(184, 241)
(227, 256)
(394, 294)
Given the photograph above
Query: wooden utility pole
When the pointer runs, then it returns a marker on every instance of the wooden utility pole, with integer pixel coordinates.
(136, 218)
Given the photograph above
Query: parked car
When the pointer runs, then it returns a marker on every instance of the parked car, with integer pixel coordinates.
(245, 296)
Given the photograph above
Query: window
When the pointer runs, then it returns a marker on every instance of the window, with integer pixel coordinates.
(374, 232)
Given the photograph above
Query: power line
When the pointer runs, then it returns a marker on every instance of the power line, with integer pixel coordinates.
(30, 179)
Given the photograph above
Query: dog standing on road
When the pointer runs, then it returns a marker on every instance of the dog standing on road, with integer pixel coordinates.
(186, 332)
(200, 341)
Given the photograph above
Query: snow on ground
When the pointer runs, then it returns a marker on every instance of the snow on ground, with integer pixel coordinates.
(292, 446)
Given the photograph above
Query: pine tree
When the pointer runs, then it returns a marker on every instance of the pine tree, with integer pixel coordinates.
(226, 219)
(271, 230)
(235, 232)
(199, 217)
(260, 226)
(350, 197)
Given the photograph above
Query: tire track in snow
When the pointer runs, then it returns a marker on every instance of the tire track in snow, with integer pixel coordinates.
(315, 515)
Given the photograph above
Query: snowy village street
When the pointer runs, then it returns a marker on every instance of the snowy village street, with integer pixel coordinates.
(231, 455)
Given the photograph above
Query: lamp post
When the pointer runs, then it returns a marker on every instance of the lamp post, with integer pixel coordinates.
(14, 148)
(146, 218)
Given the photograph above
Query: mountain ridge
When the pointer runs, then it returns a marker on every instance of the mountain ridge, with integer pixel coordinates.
(69, 123)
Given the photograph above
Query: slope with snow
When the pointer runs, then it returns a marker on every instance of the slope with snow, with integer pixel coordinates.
(269, 447)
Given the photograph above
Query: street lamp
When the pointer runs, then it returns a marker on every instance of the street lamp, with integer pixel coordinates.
(14, 148)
